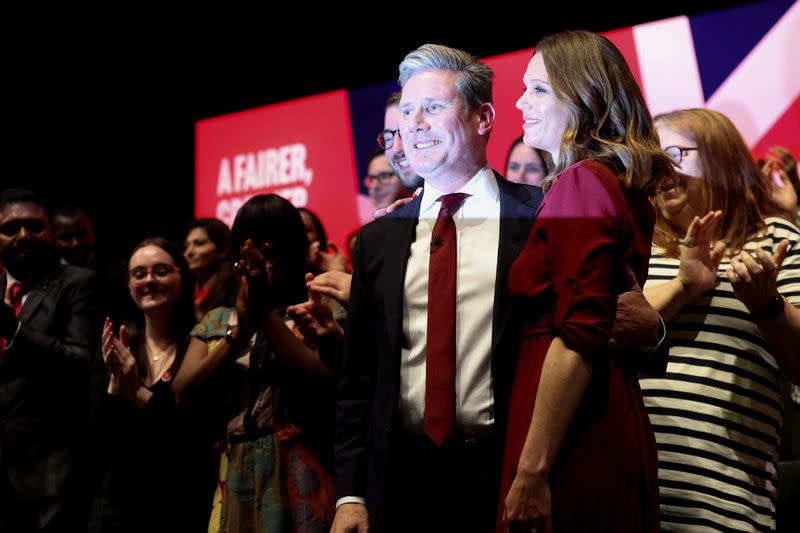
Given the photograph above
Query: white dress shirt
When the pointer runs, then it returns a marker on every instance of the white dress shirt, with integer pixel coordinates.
(477, 225)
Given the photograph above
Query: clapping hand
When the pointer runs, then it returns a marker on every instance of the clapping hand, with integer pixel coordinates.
(334, 284)
(121, 364)
(314, 317)
(700, 257)
(253, 300)
(754, 277)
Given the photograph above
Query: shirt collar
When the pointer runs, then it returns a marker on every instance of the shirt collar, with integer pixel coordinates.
(10, 279)
(482, 186)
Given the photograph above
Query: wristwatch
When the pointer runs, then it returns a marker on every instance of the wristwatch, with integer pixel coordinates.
(770, 310)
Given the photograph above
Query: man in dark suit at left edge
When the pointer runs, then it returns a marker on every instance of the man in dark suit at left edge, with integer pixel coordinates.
(49, 329)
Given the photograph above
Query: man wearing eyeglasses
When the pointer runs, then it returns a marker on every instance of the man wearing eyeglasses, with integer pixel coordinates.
(390, 140)
(49, 328)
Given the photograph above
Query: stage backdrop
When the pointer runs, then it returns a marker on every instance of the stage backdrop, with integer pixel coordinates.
(313, 151)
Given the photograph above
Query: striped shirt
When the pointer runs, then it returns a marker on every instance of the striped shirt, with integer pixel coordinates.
(717, 414)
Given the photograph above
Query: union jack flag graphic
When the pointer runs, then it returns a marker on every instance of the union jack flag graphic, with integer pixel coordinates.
(743, 62)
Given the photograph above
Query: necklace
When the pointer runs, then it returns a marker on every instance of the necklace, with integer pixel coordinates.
(157, 354)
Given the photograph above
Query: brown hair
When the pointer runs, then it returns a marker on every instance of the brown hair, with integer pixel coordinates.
(731, 179)
(607, 117)
(394, 99)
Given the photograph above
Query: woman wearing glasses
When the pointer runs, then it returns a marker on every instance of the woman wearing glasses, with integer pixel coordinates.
(151, 479)
(728, 285)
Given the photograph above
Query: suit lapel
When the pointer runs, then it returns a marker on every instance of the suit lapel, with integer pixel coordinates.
(36, 295)
(397, 246)
(517, 211)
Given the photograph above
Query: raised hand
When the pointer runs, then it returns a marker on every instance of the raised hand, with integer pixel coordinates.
(333, 284)
(107, 347)
(699, 258)
(314, 317)
(124, 365)
(253, 300)
(754, 278)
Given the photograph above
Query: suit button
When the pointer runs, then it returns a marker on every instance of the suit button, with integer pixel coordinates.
(387, 429)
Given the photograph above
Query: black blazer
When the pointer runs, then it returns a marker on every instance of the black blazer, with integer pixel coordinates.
(44, 382)
(370, 373)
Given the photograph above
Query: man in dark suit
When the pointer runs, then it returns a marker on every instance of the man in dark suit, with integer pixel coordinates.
(386, 456)
(49, 327)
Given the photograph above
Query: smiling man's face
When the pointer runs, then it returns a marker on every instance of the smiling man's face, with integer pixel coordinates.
(441, 140)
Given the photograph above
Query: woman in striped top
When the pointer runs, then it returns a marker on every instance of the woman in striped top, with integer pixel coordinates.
(731, 315)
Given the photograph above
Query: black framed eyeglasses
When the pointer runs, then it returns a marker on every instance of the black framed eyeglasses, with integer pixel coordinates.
(380, 177)
(386, 138)
(678, 153)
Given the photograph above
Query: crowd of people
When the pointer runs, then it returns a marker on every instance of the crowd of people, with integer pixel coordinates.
(604, 338)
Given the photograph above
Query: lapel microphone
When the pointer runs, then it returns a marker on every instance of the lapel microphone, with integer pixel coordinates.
(436, 242)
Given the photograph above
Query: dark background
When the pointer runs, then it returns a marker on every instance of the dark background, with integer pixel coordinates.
(102, 113)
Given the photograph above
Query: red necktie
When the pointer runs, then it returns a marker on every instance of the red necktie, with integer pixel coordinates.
(440, 361)
(17, 290)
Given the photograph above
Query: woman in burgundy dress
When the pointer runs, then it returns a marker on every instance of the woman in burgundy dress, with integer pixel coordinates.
(580, 453)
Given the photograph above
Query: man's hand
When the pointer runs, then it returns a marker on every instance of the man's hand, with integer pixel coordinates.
(397, 203)
(351, 518)
(636, 324)
(314, 317)
(334, 284)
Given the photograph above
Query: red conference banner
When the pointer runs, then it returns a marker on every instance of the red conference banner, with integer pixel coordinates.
(301, 150)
